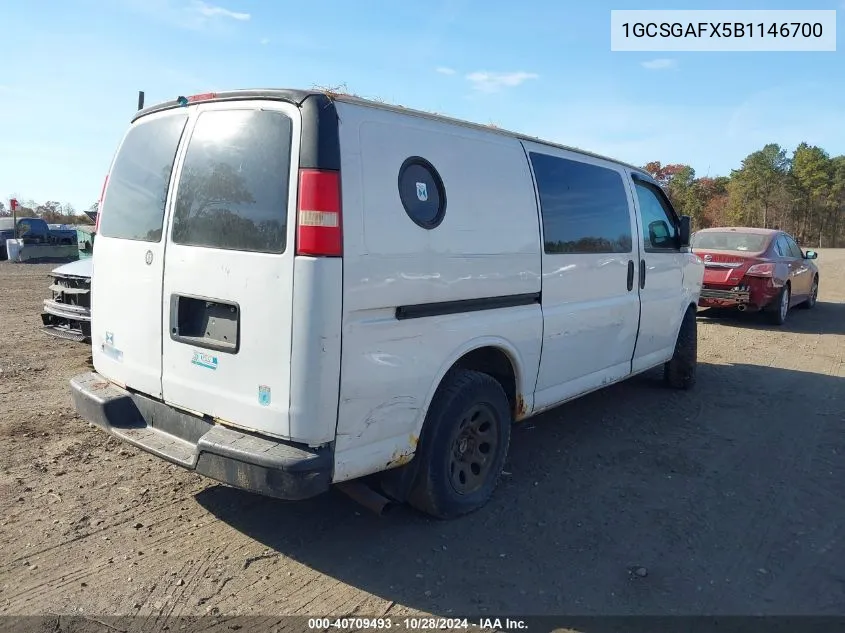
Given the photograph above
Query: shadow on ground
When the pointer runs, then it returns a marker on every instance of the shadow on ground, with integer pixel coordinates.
(633, 500)
(826, 317)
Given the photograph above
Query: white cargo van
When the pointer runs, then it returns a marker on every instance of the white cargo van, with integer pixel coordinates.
(293, 289)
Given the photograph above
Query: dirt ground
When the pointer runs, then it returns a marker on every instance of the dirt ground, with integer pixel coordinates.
(728, 499)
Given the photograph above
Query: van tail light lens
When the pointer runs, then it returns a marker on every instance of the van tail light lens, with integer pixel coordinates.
(318, 214)
(761, 270)
(100, 205)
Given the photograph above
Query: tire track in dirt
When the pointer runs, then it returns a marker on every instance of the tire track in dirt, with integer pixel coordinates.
(747, 471)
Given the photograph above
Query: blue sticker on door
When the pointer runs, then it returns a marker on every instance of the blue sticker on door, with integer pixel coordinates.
(263, 395)
(109, 349)
(202, 359)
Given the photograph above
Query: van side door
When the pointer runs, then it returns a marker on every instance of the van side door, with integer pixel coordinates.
(590, 300)
(661, 278)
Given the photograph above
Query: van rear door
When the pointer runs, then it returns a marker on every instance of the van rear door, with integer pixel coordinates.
(129, 259)
(228, 272)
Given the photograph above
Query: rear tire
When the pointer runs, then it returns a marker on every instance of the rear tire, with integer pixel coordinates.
(814, 295)
(680, 371)
(780, 306)
(463, 445)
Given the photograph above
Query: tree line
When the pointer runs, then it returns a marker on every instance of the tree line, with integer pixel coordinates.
(802, 193)
(51, 212)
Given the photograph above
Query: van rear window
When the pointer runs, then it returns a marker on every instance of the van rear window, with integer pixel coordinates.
(233, 190)
(133, 208)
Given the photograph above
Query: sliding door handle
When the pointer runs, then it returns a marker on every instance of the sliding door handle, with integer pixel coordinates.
(642, 274)
(630, 275)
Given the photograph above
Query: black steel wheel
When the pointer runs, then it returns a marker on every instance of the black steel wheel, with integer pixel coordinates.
(463, 445)
(473, 449)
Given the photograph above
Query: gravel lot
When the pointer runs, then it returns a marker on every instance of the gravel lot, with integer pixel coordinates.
(636, 500)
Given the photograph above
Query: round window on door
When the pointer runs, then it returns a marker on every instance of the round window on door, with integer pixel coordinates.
(422, 193)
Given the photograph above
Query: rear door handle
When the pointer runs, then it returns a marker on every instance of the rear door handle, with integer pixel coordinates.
(630, 275)
(642, 274)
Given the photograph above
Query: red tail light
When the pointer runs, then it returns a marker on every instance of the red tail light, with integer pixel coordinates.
(761, 270)
(100, 205)
(318, 221)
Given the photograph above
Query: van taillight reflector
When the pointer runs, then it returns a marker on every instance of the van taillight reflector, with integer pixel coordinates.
(318, 216)
(205, 96)
(100, 204)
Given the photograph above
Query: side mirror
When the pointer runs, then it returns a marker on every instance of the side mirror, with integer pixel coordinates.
(684, 232)
(810, 255)
(658, 234)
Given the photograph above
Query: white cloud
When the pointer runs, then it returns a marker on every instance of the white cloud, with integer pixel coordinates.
(211, 11)
(194, 15)
(443, 70)
(660, 64)
(489, 82)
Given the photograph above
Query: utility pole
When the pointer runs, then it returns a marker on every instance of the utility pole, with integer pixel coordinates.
(14, 204)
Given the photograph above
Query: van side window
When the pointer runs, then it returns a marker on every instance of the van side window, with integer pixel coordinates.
(233, 190)
(584, 207)
(137, 186)
(422, 193)
(660, 231)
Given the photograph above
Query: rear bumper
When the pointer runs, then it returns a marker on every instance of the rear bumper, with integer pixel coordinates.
(712, 297)
(752, 294)
(271, 467)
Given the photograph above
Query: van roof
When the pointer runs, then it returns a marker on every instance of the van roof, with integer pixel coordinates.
(298, 96)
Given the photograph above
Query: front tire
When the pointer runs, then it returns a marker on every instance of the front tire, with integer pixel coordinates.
(463, 445)
(680, 371)
(780, 306)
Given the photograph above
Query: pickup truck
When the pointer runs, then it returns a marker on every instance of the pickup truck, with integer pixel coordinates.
(62, 233)
(33, 231)
(67, 313)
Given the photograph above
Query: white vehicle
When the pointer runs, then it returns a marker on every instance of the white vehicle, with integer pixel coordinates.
(296, 289)
(67, 313)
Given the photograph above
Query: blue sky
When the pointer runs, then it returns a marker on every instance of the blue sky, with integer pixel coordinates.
(70, 72)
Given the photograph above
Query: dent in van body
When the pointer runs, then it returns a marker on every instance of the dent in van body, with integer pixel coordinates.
(488, 245)
(374, 433)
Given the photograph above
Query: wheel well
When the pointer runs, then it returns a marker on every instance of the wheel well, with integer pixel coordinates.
(495, 363)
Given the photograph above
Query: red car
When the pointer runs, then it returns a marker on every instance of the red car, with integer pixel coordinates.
(755, 269)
